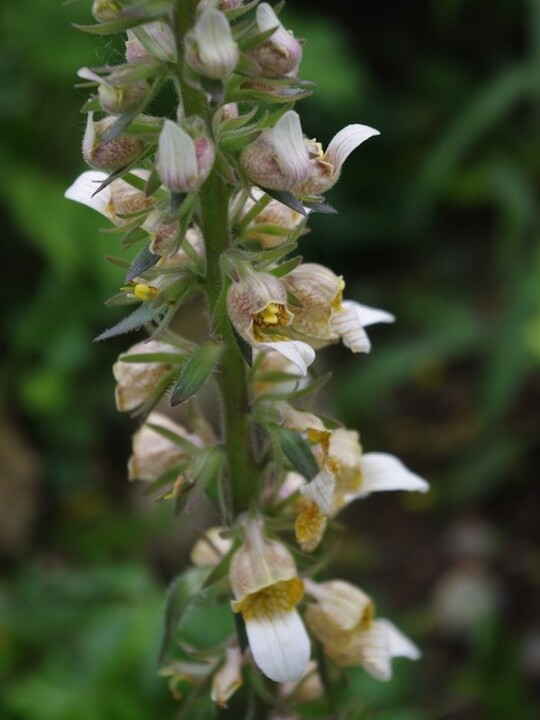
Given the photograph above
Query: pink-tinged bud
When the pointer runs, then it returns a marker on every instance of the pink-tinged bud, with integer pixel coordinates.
(275, 213)
(135, 381)
(135, 50)
(209, 47)
(229, 111)
(106, 10)
(163, 236)
(183, 162)
(278, 159)
(281, 53)
(113, 154)
(156, 40)
(325, 167)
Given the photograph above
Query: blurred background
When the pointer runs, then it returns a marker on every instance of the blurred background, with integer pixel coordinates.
(438, 223)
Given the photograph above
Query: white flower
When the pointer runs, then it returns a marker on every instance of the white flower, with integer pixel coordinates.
(343, 619)
(229, 676)
(349, 324)
(267, 590)
(325, 167)
(358, 475)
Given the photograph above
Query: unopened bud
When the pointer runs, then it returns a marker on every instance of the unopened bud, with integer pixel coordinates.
(209, 47)
(106, 10)
(116, 99)
(155, 40)
(183, 161)
(275, 213)
(126, 199)
(281, 53)
(112, 154)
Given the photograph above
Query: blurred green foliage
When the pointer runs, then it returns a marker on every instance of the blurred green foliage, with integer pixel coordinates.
(438, 222)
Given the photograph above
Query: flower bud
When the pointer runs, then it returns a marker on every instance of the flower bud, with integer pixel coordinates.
(106, 10)
(151, 40)
(280, 54)
(209, 47)
(116, 99)
(163, 235)
(153, 454)
(278, 159)
(183, 161)
(126, 199)
(112, 154)
(136, 381)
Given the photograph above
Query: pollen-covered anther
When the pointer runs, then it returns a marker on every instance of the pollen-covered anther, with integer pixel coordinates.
(145, 292)
(322, 438)
(309, 527)
(282, 596)
(274, 315)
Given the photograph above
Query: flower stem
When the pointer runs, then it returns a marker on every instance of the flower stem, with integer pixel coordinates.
(214, 197)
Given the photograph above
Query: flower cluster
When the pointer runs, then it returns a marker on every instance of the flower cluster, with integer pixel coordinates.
(217, 197)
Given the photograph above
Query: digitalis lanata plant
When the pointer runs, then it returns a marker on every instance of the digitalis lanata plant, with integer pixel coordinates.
(217, 196)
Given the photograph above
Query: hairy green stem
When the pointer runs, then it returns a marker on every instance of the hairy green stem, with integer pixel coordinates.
(214, 197)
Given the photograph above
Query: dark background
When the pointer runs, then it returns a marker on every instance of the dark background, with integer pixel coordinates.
(438, 223)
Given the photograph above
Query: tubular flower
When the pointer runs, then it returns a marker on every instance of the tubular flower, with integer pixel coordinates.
(183, 162)
(257, 307)
(278, 159)
(210, 48)
(343, 619)
(323, 315)
(152, 453)
(281, 53)
(267, 590)
(358, 475)
(109, 154)
(325, 167)
(320, 293)
(135, 381)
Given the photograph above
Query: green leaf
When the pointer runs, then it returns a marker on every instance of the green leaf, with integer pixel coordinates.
(196, 372)
(286, 267)
(296, 450)
(207, 468)
(112, 27)
(179, 440)
(181, 594)
(139, 317)
(142, 262)
(287, 198)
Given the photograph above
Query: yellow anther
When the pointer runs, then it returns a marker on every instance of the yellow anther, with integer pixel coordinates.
(145, 292)
(270, 315)
(336, 302)
(320, 436)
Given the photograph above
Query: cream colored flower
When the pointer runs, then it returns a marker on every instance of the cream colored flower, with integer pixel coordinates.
(343, 619)
(267, 589)
(153, 454)
(135, 381)
(280, 54)
(274, 213)
(358, 475)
